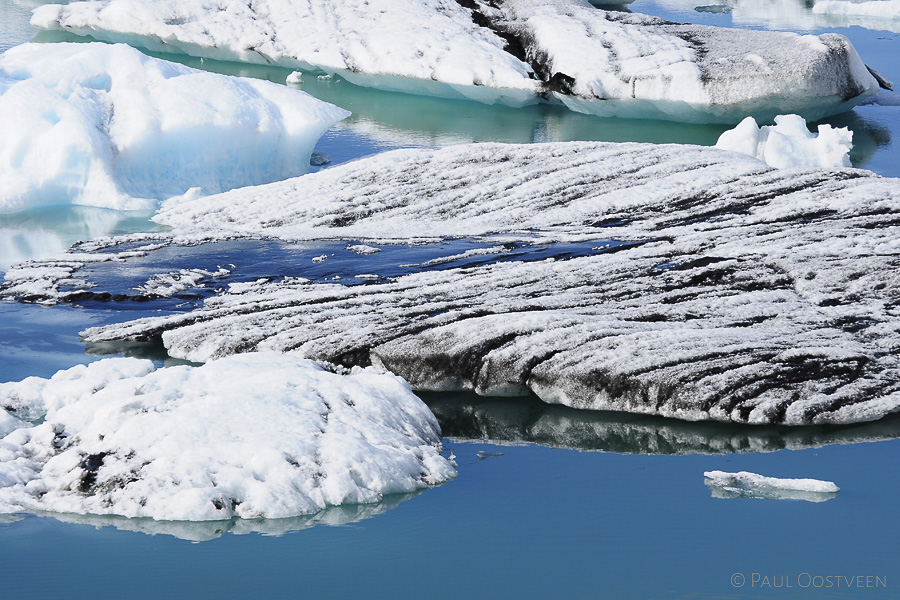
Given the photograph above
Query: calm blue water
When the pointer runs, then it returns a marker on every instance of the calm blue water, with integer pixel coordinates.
(531, 515)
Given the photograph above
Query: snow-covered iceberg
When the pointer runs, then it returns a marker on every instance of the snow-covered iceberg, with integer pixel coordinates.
(260, 435)
(509, 51)
(750, 485)
(789, 144)
(675, 280)
(107, 126)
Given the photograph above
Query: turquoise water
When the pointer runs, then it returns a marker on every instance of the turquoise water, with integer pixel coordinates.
(558, 504)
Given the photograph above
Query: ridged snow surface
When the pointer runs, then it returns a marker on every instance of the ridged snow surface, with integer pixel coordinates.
(104, 125)
(260, 435)
(510, 51)
(751, 485)
(742, 293)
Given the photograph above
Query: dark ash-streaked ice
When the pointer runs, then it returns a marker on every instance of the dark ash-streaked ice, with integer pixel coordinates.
(744, 293)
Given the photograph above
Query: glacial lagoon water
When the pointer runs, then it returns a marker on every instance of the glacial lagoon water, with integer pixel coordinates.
(549, 502)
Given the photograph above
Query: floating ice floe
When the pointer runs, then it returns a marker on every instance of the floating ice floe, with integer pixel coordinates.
(750, 485)
(511, 51)
(107, 126)
(708, 285)
(260, 435)
(789, 144)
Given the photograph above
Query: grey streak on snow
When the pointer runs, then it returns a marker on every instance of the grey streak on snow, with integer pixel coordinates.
(508, 51)
(749, 294)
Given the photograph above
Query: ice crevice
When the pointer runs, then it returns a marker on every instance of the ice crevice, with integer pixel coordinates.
(743, 293)
(508, 51)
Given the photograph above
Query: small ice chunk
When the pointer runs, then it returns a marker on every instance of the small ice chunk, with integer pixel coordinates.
(370, 276)
(750, 485)
(295, 78)
(258, 435)
(319, 159)
(363, 249)
(320, 259)
(789, 144)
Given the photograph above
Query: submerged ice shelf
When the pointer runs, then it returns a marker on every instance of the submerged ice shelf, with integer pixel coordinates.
(106, 126)
(509, 51)
(260, 435)
(741, 292)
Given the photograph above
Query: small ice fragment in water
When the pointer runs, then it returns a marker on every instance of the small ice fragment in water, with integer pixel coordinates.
(321, 258)
(363, 249)
(319, 159)
(366, 276)
(751, 485)
(485, 455)
(294, 78)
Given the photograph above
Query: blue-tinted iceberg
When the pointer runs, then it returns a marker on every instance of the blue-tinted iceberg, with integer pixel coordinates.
(510, 51)
(107, 126)
(260, 435)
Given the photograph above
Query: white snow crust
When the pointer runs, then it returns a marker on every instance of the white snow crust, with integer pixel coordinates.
(259, 435)
(511, 51)
(789, 144)
(107, 126)
(751, 485)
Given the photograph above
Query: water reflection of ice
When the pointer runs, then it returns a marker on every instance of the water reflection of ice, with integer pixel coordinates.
(466, 417)
(201, 531)
(45, 231)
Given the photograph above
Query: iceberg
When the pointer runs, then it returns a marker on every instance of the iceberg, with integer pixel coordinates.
(789, 144)
(750, 485)
(707, 286)
(106, 126)
(879, 9)
(255, 436)
(510, 51)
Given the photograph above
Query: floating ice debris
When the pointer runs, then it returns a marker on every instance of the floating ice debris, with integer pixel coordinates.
(260, 435)
(743, 293)
(509, 51)
(108, 126)
(319, 159)
(363, 249)
(751, 485)
(166, 285)
(789, 144)
(320, 259)
(295, 78)
(482, 455)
